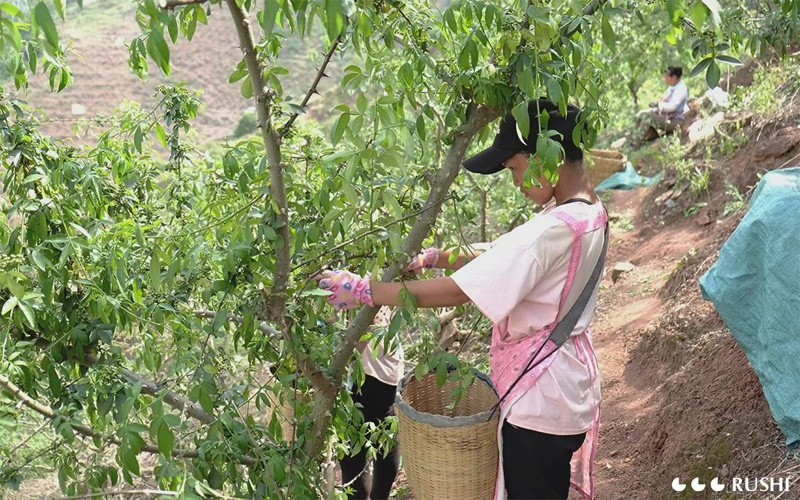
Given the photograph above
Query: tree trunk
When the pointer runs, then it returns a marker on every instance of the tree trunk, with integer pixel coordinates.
(635, 94)
(325, 399)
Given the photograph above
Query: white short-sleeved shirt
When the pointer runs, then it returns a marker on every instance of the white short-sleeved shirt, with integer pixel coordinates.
(386, 367)
(517, 284)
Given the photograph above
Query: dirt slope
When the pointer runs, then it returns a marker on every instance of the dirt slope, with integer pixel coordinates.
(679, 396)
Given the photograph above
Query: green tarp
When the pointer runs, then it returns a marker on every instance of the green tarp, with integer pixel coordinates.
(627, 179)
(755, 287)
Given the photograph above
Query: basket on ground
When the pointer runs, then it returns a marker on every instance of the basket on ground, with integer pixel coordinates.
(603, 163)
(448, 453)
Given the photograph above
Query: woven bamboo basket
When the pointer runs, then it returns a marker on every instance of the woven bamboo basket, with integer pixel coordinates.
(448, 453)
(604, 163)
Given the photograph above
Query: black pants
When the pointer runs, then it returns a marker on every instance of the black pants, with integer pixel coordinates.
(536, 466)
(377, 399)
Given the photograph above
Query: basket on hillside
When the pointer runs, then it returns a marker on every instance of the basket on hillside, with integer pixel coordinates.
(448, 453)
(604, 163)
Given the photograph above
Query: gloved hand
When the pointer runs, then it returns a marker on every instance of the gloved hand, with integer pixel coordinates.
(425, 260)
(348, 290)
(384, 316)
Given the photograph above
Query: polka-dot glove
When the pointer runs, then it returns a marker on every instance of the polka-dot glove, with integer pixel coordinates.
(426, 260)
(348, 290)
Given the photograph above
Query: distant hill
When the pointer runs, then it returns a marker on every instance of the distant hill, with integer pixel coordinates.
(102, 80)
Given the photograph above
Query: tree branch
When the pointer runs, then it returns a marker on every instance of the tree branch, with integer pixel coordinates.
(310, 369)
(173, 399)
(477, 118)
(448, 317)
(90, 432)
(313, 89)
(145, 492)
(149, 387)
(361, 236)
(590, 9)
(276, 300)
(172, 4)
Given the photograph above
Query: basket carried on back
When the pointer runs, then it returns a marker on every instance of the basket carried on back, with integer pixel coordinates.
(448, 453)
(604, 163)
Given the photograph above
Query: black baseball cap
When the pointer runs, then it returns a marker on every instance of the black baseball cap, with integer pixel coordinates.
(509, 141)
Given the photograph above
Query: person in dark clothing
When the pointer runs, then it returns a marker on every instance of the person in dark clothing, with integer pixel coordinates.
(376, 398)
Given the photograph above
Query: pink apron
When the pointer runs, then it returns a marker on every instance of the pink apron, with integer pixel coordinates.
(510, 357)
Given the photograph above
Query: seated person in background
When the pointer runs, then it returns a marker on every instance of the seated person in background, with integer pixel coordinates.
(667, 114)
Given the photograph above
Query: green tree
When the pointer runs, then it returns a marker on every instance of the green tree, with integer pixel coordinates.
(149, 304)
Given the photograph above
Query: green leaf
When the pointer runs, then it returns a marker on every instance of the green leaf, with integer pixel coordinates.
(237, 75)
(714, 8)
(468, 57)
(137, 139)
(80, 229)
(205, 400)
(247, 88)
(161, 135)
(10, 304)
(28, 313)
(44, 21)
(335, 19)
(55, 382)
(14, 287)
(395, 323)
(441, 372)
(450, 19)
(350, 192)
(421, 131)
(520, 113)
(361, 103)
(155, 271)
(39, 259)
(60, 8)
(315, 292)
(421, 369)
(128, 460)
(220, 320)
(10, 9)
(172, 420)
(526, 81)
(32, 57)
(340, 127)
(279, 71)
(172, 28)
(698, 14)
(202, 17)
(407, 299)
(538, 14)
(608, 34)
(191, 27)
(713, 75)
(158, 50)
(166, 439)
(729, 60)
(391, 202)
(269, 16)
(553, 89)
(701, 66)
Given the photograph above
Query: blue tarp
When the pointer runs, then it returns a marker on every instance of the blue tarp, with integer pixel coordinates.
(627, 179)
(755, 287)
